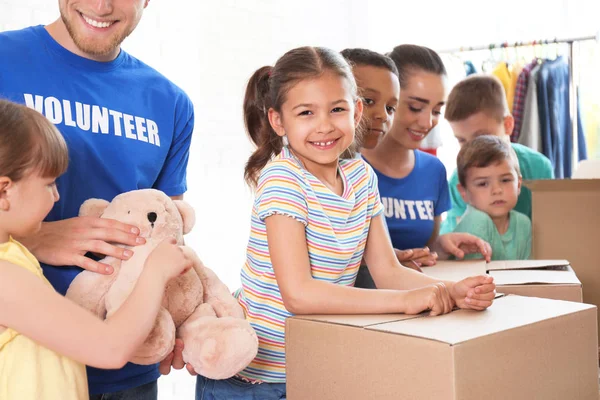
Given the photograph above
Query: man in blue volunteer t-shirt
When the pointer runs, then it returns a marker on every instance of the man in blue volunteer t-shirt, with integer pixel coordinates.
(127, 127)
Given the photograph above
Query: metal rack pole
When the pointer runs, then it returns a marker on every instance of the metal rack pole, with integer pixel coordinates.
(573, 106)
(518, 44)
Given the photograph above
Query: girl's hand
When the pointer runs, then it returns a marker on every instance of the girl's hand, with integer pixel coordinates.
(434, 297)
(475, 293)
(459, 244)
(169, 259)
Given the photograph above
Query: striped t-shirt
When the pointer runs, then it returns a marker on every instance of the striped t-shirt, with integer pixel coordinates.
(336, 234)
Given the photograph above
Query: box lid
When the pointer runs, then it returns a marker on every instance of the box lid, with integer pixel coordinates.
(527, 264)
(562, 185)
(455, 270)
(506, 272)
(506, 313)
(565, 276)
(360, 321)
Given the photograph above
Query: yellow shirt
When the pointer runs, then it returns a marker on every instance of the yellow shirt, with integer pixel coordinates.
(29, 371)
(504, 73)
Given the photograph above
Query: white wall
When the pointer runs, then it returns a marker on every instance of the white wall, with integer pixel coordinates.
(211, 48)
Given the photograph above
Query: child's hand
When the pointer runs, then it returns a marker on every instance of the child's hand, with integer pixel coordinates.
(434, 297)
(416, 258)
(475, 293)
(169, 259)
(458, 244)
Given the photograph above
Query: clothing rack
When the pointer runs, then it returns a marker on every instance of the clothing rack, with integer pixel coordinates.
(505, 45)
(572, 64)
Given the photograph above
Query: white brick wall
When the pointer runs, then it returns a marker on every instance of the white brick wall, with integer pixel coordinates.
(210, 49)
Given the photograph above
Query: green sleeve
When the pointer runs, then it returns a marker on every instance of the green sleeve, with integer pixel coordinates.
(534, 165)
(523, 236)
(458, 206)
(546, 170)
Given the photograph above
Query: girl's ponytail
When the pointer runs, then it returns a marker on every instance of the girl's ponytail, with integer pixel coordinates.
(256, 107)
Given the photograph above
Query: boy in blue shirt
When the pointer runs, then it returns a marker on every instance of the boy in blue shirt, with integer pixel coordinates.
(490, 183)
(477, 106)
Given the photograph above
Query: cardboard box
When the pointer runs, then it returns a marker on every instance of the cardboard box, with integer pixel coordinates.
(551, 279)
(520, 348)
(566, 224)
(587, 169)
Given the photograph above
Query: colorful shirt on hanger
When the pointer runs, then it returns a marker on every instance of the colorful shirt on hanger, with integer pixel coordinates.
(519, 100)
(530, 133)
(504, 73)
(515, 72)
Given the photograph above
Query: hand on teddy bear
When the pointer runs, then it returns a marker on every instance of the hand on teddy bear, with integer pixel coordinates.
(67, 242)
(169, 259)
(175, 360)
(197, 307)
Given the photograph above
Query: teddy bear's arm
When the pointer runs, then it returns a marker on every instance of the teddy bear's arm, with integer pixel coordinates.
(88, 289)
(218, 295)
(216, 292)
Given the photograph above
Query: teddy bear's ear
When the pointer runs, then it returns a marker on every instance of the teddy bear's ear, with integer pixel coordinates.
(187, 214)
(93, 208)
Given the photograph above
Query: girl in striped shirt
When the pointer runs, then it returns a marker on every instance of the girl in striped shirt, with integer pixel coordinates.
(315, 217)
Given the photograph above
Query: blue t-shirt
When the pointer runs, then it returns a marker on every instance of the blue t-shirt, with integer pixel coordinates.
(411, 203)
(126, 126)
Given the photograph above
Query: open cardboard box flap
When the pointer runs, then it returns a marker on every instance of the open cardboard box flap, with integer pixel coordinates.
(506, 272)
(532, 276)
(527, 264)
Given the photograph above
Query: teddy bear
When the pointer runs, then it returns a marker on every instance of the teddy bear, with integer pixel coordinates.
(197, 307)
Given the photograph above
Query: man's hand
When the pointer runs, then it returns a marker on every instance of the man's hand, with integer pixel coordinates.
(68, 241)
(175, 360)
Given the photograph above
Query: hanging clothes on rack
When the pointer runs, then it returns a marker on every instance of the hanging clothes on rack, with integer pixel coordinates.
(540, 97)
(503, 72)
(470, 68)
(530, 132)
(553, 106)
(517, 68)
(520, 97)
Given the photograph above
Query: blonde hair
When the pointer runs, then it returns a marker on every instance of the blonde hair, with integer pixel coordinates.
(29, 144)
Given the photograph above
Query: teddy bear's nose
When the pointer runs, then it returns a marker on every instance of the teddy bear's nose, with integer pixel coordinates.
(152, 217)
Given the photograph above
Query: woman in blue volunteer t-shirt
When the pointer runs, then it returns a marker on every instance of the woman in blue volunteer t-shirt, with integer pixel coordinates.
(412, 184)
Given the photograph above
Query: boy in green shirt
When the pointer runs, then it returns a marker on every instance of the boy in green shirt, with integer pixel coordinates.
(490, 183)
(477, 106)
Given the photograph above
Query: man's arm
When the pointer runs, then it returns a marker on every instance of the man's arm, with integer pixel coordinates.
(67, 242)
